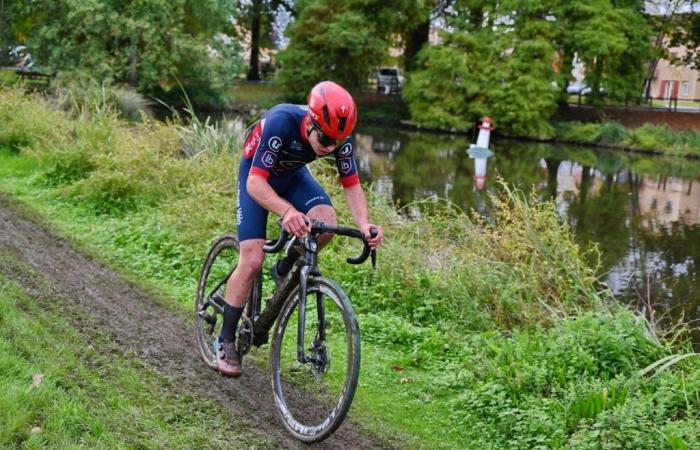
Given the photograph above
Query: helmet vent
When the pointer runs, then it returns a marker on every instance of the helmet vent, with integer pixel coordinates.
(341, 123)
(326, 115)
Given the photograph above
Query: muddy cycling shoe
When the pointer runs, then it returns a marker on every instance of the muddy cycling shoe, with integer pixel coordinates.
(227, 360)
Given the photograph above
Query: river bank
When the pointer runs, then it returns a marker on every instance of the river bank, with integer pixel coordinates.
(647, 132)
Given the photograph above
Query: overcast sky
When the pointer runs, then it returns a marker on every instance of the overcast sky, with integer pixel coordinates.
(665, 6)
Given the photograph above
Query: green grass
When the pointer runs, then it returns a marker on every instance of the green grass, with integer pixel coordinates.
(61, 389)
(475, 334)
(664, 103)
(263, 94)
(657, 138)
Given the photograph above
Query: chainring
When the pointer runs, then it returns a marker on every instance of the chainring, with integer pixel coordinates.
(245, 335)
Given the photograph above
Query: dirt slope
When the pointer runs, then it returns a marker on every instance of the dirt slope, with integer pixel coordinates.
(97, 298)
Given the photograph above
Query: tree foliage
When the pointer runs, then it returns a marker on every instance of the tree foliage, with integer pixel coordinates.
(342, 40)
(511, 60)
(149, 44)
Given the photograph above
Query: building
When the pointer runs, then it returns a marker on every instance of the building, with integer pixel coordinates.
(675, 82)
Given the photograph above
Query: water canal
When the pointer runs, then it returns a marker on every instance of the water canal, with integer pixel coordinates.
(642, 211)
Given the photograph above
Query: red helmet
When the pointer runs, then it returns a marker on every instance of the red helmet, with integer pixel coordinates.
(332, 110)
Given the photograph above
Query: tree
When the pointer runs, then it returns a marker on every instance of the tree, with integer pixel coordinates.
(343, 40)
(329, 40)
(257, 18)
(509, 59)
(490, 63)
(148, 44)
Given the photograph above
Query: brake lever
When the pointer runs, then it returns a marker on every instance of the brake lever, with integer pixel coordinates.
(373, 232)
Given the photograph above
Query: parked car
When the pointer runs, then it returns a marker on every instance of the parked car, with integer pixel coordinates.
(389, 80)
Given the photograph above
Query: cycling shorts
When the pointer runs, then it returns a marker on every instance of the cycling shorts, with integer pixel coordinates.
(297, 187)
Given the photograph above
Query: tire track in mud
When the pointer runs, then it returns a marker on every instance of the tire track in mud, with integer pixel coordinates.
(96, 299)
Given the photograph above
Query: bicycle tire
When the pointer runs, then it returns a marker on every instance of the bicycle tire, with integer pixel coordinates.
(221, 259)
(291, 386)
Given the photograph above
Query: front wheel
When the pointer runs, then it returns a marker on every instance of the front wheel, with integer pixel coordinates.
(312, 398)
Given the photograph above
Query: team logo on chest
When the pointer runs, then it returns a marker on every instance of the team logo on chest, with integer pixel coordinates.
(295, 145)
(268, 159)
(275, 143)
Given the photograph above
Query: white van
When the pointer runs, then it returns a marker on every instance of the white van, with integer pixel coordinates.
(389, 80)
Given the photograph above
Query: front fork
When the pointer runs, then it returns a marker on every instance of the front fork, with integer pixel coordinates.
(309, 269)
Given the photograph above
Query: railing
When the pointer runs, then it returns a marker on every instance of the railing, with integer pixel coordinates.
(35, 77)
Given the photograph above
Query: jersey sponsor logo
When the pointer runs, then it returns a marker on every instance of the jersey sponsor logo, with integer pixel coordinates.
(253, 142)
(345, 150)
(268, 159)
(275, 143)
(239, 216)
(345, 165)
(318, 198)
(286, 166)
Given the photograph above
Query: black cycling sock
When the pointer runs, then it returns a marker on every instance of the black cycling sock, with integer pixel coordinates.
(285, 264)
(231, 317)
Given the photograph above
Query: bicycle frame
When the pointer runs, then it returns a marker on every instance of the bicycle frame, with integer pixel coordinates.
(303, 269)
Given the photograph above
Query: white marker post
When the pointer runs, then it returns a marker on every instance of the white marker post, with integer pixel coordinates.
(481, 152)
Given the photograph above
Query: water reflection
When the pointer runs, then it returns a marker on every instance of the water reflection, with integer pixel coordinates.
(643, 212)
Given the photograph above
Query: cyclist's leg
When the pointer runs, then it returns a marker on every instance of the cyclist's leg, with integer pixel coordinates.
(251, 219)
(307, 196)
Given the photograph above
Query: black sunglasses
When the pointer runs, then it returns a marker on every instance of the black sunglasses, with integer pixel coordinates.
(324, 139)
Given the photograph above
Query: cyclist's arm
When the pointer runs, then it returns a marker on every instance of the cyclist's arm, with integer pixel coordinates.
(293, 221)
(357, 203)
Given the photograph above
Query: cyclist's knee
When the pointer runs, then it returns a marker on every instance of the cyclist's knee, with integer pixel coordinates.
(251, 257)
(325, 214)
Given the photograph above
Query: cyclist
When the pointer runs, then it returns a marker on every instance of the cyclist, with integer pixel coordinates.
(273, 177)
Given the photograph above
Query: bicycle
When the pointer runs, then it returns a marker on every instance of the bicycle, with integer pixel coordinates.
(314, 372)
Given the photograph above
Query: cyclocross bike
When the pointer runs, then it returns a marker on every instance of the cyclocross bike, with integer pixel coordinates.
(315, 351)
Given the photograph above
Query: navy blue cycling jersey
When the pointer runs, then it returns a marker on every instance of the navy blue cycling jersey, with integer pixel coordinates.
(278, 144)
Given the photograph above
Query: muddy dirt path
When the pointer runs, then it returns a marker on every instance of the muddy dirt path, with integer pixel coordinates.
(97, 298)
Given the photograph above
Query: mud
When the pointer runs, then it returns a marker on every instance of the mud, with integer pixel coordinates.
(95, 299)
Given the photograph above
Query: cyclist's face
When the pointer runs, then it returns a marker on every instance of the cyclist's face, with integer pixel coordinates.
(320, 148)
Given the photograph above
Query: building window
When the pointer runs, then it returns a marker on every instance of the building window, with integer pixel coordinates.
(685, 89)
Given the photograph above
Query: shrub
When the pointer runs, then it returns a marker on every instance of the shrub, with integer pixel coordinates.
(578, 132)
(611, 133)
(650, 137)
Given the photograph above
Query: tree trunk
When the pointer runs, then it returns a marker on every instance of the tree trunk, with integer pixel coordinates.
(415, 39)
(133, 74)
(476, 18)
(254, 69)
(552, 172)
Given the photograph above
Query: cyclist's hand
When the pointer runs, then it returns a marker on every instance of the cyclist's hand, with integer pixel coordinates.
(296, 223)
(374, 242)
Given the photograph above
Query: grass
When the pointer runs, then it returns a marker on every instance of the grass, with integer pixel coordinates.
(657, 138)
(665, 103)
(61, 389)
(263, 94)
(494, 332)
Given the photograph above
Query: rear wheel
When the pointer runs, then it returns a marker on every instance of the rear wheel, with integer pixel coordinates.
(312, 398)
(209, 302)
